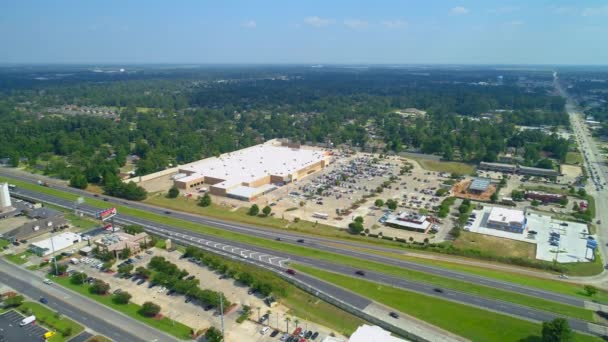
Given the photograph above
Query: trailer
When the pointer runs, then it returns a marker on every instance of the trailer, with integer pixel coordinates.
(320, 216)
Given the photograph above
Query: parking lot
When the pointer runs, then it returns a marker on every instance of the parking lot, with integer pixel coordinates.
(198, 315)
(10, 329)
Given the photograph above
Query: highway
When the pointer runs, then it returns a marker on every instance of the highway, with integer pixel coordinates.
(89, 313)
(596, 169)
(276, 261)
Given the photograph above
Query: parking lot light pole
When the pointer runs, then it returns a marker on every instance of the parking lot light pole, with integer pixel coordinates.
(53, 253)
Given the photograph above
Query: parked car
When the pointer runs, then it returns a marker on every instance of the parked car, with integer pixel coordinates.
(274, 333)
(314, 336)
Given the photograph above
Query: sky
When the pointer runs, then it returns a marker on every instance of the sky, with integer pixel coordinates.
(304, 31)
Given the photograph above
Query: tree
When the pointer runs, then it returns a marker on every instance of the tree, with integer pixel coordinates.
(125, 253)
(266, 211)
(125, 269)
(359, 219)
(133, 229)
(173, 192)
(61, 269)
(254, 210)
(99, 287)
(79, 181)
(355, 227)
(581, 192)
(13, 301)
(78, 278)
(149, 309)
(535, 203)
(379, 203)
(143, 272)
(121, 297)
(205, 201)
(213, 335)
(494, 197)
(590, 290)
(391, 204)
(557, 330)
(575, 207)
(563, 200)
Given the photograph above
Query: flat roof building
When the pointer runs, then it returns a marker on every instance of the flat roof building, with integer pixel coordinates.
(480, 185)
(251, 172)
(507, 219)
(372, 333)
(536, 171)
(116, 242)
(54, 243)
(498, 167)
(409, 221)
(524, 170)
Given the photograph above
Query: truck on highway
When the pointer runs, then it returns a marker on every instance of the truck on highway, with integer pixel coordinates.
(27, 320)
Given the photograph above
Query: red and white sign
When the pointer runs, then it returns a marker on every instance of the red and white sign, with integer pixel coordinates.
(107, 214)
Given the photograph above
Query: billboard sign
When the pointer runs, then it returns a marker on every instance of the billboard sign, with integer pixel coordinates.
(107, 214)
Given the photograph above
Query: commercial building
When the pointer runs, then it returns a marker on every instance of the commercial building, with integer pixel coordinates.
(507, 219)
(544, 196)
(500, 167)
(372, 333)
(480, 185)
(251, 172)
(524, 170)
(116, 242)
(54, 243)
(409, 221)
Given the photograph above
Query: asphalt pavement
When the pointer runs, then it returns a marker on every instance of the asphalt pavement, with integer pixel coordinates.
(89, 313)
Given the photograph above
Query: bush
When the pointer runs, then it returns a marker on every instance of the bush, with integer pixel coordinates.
(441, 192)
(254, 210)
(149, 309)
(213, 335)
(121, 297)
(391, 204)
(266, 211)
(133, 229)
(355, 227)
(205, 201)
(173, 192)
(78, 278)
(100, 287)
(388, 238)
(13, 301)
(379, 203)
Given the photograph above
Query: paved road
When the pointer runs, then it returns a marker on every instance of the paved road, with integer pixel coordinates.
(597, 170)
(79, 308)
(252, 254)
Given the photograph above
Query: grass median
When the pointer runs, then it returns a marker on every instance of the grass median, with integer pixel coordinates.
(466, 321)
(472, 288)
(165, 324)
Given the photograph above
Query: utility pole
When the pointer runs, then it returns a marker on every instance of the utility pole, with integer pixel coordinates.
(53, 252)
(222, 316)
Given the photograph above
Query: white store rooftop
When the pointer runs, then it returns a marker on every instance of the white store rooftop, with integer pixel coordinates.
(251, 164)
(59, 242)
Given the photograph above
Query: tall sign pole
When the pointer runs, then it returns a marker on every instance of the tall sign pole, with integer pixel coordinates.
(222, 315)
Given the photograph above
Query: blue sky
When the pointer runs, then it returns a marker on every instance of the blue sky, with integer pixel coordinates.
(311, 31)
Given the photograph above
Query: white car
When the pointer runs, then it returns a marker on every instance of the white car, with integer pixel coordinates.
(47, 281)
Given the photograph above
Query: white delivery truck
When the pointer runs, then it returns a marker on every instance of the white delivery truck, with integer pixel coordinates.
(74, 261)
(27, 320)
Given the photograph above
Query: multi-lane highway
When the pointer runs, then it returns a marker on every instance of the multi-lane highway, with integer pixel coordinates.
(277, 260)
(100, 318)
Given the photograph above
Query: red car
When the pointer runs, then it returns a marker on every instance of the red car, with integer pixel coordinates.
(297, 331)
(290, 271)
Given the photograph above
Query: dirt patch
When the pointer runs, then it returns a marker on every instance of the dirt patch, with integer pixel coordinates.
(571, 171)
(461, 190)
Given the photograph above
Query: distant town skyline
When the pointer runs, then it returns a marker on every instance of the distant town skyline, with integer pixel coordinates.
(324, 32)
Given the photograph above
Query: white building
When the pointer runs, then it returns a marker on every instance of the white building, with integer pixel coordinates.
(5, 198)
(372, 333)
(409, 221)
(55, 243)
(507, 219)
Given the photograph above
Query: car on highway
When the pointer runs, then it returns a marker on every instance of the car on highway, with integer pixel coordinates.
(301, 240)
(43, 300)
(167, 212)
(394, 314)
(290, 271)
(360, 273)
(47, 281)
(438, 290)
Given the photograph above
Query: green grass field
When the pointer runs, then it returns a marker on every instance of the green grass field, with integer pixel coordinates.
(354, 262)
(52, 320)
(165, 324)
(495, 245)
(20, 258)
(441, 166)
(574, 158)
(4, 243)
(466, 321)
